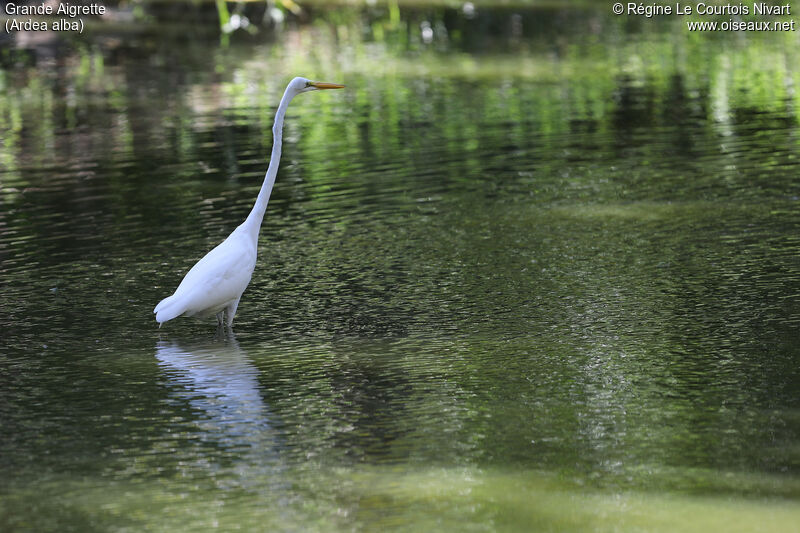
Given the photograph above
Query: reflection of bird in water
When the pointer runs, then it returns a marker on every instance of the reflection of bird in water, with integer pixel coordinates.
(219, 382)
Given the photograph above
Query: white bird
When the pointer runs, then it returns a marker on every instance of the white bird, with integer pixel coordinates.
(215, 284)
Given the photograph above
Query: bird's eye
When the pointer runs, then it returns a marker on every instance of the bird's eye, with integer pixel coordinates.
(308, 84)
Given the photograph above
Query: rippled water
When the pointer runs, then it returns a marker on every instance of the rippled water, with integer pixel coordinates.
(504, 283)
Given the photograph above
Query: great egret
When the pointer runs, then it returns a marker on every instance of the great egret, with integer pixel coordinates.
(215, 284)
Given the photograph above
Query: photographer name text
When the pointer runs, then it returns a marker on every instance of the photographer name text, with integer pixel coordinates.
(703, 9)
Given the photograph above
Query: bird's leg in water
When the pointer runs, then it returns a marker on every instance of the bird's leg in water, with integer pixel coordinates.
(219, 317)
(231, 310)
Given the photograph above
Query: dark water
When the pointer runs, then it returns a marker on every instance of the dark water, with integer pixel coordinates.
(538, 274)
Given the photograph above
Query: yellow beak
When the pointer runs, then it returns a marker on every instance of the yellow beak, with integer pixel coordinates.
(322, 85)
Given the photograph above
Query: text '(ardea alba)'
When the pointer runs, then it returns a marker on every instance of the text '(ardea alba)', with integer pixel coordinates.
(215, 284)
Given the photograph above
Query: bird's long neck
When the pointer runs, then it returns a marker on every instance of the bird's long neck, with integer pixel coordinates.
(253, 221)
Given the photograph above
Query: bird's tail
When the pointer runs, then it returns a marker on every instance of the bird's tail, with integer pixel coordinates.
(167, 309)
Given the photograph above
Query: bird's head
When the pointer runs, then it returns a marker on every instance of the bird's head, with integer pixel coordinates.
(302, 85)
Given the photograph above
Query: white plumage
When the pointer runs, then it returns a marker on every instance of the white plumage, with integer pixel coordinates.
(215, 284)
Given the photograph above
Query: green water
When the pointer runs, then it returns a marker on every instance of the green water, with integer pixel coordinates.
(539, 273)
